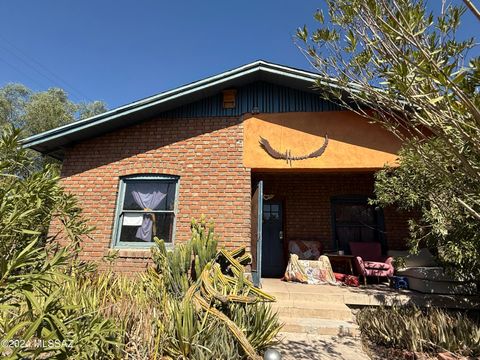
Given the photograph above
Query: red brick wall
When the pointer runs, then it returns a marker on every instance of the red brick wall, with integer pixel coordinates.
(307, 206)
(205, 153)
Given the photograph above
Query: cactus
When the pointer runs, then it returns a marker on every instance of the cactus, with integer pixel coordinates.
(174, 266)
(204, 244)
(213, 280)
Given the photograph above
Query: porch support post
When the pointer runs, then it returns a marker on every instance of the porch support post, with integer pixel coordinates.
(256, 241)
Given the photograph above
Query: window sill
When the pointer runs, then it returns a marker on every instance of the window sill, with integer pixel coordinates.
(132, 253)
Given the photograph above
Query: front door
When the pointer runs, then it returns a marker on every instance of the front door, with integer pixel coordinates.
(273, 264)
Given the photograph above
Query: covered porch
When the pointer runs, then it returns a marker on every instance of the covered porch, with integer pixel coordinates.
(329, 209)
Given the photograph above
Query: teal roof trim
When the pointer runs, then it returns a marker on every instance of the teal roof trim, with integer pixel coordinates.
(53, 141)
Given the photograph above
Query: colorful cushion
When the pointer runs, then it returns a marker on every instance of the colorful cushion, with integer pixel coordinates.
(376, 265)
(349, 280)
(305, 249)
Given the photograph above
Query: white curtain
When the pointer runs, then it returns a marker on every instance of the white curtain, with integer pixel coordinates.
(148, 195)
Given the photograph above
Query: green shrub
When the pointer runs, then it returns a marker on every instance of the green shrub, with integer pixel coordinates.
(196, 304)
(30, 198)
(36, 319)
(413, 329)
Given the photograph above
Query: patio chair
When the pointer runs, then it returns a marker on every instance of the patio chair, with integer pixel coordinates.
(369, 260)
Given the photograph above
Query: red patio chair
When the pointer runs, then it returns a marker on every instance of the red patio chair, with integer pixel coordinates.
(369, 260)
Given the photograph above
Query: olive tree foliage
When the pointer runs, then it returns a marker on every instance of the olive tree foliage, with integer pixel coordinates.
(35, 112)
(405, 67)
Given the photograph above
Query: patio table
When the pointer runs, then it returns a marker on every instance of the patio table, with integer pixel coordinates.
(342, 259)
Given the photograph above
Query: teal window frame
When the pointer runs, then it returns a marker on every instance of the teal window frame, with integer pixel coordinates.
(116, 243)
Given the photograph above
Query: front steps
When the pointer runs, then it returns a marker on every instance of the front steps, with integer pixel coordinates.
(313, 309)
(318, 326)
(304, 309)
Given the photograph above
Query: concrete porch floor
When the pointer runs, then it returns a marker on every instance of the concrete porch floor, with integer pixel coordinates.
(370, 295)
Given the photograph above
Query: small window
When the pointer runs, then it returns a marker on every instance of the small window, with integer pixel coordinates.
(146, 209)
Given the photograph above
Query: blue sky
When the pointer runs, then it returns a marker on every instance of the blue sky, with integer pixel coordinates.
(120, 51)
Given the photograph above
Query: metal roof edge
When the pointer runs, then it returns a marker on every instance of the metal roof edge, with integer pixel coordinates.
(169, 95)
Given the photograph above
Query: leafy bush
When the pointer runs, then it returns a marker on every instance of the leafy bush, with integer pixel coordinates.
(442, 224)
(30, 198)
(412, 329)
(35, 317)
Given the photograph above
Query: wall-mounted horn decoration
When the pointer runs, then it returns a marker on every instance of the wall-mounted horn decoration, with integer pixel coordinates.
(267, 197)
(287, 155)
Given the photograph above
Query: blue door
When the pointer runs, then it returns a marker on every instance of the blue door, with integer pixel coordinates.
(273, 261)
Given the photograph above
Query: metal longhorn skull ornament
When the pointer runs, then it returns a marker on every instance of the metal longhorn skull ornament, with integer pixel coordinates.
(287, 155)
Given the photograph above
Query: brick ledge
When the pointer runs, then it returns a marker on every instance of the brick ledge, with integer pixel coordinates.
(133, 253)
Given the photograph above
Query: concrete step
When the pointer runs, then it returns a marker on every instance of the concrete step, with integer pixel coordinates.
(307, 296)
(319, 326)
(313, 309)
(345, 297)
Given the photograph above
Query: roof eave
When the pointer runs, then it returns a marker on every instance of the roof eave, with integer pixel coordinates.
(136, 111)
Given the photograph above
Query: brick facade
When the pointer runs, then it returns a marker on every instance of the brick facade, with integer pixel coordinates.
(307, 205)
(205, 153)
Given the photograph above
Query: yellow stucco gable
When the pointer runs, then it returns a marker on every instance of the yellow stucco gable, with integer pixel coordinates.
(354, 143)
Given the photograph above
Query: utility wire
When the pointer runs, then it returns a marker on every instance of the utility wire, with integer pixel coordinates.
(42, 70)
(20, 71)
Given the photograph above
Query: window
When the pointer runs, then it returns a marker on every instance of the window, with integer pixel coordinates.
(354, 220)
(271, 212)
(146, 208)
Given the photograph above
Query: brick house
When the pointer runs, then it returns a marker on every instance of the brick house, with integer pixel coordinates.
(145, 169)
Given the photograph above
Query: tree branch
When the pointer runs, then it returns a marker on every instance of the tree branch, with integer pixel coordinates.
(472, 8)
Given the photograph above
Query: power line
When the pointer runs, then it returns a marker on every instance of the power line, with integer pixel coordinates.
(31, 66)
(22, 72)
(42, 70)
